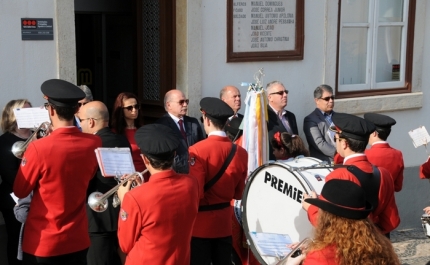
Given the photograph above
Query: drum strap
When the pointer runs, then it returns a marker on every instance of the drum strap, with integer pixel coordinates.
(213, 207)
(370, 182)
(211, 182)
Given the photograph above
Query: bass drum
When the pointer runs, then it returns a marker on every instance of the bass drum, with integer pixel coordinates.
(272, 200)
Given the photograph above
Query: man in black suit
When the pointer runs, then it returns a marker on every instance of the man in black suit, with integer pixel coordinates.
(280, 120)
(102, 227)
(187, 129)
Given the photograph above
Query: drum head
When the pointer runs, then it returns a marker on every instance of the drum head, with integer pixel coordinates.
(272, 200)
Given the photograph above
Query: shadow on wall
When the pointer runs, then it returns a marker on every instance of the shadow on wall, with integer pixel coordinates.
(411, 200)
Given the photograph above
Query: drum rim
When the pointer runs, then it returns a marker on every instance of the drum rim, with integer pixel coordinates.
(244, 199)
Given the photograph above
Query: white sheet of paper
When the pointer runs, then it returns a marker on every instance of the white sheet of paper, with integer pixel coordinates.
(14, 197)
(114, 161)
(31, 117)
(273, 245)
(419, 136)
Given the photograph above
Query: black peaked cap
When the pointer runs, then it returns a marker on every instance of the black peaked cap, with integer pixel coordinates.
(156, 140)
(62, 93)
(351, 126)
(216, 108)
(380, 120)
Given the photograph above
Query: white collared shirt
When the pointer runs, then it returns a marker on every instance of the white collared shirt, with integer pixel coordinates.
(218, 133)
(176, 120)
(352, 156)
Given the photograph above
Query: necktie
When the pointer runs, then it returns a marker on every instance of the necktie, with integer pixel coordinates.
(285, 122)
(181, 128)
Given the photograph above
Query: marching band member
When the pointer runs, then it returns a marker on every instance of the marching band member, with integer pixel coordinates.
(352, 134)
(8, 168)
(221, 172)
(58, 168)
(381, 154)
(102, 227)
(344, 234)
(156, 218)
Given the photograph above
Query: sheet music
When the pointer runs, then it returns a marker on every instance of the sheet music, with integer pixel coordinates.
(30, 118)
(419, 136)
(273, 245)
(114, 161)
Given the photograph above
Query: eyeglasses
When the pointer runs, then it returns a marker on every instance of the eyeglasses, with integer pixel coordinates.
(130, 108)
(182, 101)
(280, 92)
(80, 104)
(81, 120)
(328, 98)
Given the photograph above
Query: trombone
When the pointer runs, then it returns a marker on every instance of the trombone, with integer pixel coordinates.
(98, 201)
(19, 147)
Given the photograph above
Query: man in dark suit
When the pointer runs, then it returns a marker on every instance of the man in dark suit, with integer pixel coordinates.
(102, 227)
(231, 96)
(280, 119)
(187, 129)
(316, 125)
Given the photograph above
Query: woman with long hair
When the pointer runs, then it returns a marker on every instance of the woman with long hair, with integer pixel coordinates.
(9, 165)
(126, 119)
(344, 235)
(287, 146)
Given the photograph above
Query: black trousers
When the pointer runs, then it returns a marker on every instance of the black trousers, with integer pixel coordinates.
(75, 258)
(13, 227)
(207, 250)
(103, 249)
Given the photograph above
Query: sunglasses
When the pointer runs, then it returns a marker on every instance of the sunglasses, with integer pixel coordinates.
(280, 92)
(328, 98)
(80, 104)
(130, 108)
(182, 101)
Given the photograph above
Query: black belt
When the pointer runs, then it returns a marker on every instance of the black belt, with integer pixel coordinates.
(214, 207)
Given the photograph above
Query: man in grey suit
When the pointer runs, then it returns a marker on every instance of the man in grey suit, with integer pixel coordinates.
(316, 125)
(187, 129)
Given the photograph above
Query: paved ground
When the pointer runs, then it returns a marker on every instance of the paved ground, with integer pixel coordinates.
(411, 245)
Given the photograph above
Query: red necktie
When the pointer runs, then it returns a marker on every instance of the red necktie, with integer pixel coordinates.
(181, 127)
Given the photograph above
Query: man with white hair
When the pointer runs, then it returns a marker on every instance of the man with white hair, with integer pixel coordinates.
(187, 129)
(280, 119)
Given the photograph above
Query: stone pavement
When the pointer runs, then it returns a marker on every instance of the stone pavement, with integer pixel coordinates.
(412, 246)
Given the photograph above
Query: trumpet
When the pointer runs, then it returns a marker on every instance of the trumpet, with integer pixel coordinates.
(19, 147)
(98, 201)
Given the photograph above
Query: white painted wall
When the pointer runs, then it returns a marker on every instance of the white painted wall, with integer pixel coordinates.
(25, 65)
(302, 77)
